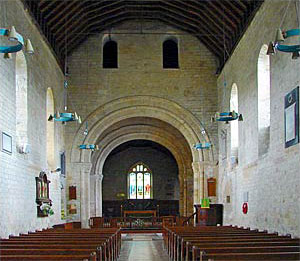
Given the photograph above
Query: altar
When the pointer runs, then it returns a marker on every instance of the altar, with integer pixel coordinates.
(130, 212)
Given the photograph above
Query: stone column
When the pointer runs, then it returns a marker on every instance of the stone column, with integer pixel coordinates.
(198, 182)
(98, 194)
(85, 169)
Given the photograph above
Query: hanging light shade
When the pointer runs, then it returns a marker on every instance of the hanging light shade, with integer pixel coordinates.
(28, 47)
(76, 116)
(12, 35)
(57, 114)
(279, 36)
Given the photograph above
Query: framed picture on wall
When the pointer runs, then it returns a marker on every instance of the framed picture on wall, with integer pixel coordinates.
(6, 142)
(291, 117)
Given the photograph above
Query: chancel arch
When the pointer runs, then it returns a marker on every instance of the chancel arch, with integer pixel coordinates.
(148, 107)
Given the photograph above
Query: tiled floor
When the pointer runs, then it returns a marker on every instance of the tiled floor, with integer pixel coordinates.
(139, 247)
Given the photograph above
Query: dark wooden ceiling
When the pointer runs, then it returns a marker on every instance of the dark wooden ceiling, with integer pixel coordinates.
(216, 23)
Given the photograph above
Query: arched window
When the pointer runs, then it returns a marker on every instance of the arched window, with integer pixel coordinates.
(170, 54)
(234, 125)
(264, 84)
(21, 98)
(140, 182)
(110, 54)
(50, 130)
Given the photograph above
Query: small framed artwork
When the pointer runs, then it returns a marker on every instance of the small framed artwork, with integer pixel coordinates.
(6, 143)
(291, 117)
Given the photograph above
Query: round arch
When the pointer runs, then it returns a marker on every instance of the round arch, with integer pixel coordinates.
(178, 149)
(142, 106)
(101, 124)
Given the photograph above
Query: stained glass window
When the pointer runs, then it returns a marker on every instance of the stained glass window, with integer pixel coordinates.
(139, 182)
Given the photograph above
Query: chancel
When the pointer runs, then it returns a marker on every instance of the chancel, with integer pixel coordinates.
(149, 130)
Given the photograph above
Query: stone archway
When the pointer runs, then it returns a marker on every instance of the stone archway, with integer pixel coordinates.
(102, 124)
(178, 149)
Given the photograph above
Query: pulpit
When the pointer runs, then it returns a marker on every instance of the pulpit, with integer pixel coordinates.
(211, 216)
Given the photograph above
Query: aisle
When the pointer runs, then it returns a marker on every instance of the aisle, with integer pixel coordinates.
(139, 247)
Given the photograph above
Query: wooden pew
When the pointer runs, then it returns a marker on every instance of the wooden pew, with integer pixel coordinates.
(248, 256)
(91, 257)
(205, 242)
(60, 244)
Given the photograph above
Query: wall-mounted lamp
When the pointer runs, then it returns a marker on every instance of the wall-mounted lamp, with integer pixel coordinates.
(14, 36)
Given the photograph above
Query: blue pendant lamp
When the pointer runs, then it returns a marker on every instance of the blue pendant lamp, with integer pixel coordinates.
(281, 36)
(91, 147)
(227, 116)
(18, 39)
(65, 117)
(202, 146)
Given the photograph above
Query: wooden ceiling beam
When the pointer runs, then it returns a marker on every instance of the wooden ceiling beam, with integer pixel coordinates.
(229, 12)
(162, 16)
(233, 6)
(208, 13)
(221, 14)
(65, 18)
(83, 36)
(62, 13)
(199, 20)
(242, 5)
(60, 5)
(86, 17)
(47, 6)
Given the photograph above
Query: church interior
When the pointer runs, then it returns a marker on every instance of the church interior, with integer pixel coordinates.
(135, 122)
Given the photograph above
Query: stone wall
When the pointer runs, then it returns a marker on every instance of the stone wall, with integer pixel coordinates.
(140, 74)
(18, 213)
(271, 180)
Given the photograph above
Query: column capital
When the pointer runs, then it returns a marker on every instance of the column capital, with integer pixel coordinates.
(97, 177)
